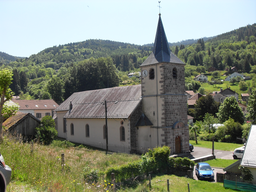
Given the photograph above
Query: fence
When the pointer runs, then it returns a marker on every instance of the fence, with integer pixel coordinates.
(239, 185)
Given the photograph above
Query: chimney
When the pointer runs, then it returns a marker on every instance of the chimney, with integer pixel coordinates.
(70, 106)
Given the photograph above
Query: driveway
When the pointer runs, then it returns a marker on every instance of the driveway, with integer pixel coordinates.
(200, 151)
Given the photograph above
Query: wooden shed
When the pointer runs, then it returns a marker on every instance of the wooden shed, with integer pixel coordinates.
(22, 124)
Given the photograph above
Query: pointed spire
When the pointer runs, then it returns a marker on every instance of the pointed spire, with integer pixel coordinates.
(161, 45)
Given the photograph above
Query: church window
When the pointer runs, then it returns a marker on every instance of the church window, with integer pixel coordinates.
(151, 74)
(174, 73)
(72, 129)
(122, 133)
(104, 132)
(87, 130)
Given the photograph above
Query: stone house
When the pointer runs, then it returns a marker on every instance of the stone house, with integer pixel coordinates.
(221, 96)
(139, 117)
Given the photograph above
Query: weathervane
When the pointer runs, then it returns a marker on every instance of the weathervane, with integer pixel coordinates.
(159, 7)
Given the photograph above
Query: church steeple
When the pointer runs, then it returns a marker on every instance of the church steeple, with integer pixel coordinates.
(161, 45)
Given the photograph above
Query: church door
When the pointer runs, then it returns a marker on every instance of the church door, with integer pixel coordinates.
(177, 145)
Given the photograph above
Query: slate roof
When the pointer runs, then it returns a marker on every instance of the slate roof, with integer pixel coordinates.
(161, 52)
(249, 157)
(36, 104)
(121, 102)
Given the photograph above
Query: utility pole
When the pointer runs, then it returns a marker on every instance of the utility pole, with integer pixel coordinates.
(106, 124)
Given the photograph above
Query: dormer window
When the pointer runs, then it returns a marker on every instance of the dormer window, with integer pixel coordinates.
(151, 74)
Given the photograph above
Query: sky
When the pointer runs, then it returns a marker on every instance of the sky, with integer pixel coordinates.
(30, 26)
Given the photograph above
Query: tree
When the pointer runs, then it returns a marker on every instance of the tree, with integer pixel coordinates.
(176, 50)
(195, 128)
(208, 122)
(230, 109)
(55, 88)
(205, 104)
(46, 133)
(9, 110)
(201, 90)
(251, 107)
(5, 93)
(243, 85)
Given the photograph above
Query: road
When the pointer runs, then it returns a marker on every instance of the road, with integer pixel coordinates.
(200, 151)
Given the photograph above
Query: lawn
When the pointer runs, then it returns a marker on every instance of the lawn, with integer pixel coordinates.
(221, 163)
(178, 184)
(217, 145)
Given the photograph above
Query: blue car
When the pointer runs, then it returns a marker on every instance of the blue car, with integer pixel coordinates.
(204, 171)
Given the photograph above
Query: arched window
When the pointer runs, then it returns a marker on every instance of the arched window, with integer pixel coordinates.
(87, 130)
(104, 132)
(174, 73)
(151, 74)
(122, 133)
(72, 129)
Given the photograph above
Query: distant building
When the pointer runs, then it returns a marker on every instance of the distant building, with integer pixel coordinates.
(38, 108)
(201, 78)
(235, 74)
(192, 100)
(190, 94)
(221, 96)
(135, 74)
(245, 97)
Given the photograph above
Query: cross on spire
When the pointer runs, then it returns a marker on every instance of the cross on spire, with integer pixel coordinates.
(159, 7)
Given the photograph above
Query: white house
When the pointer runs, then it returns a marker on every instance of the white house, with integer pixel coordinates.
(201, 78)
(249, 157)
(139, 117)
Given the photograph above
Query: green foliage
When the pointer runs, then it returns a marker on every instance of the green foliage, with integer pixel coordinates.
(205, 105)
(246, 130)
(251, 107)
(230, 109)
(91, 175)
(230, 132)
(180, 163)
(46, 133)
(243, 86)
(246, 174)
(62, 144)
(9, 110)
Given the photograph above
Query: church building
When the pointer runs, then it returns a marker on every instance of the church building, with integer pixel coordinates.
(139, 117)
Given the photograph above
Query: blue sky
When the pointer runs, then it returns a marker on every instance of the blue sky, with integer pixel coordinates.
(29, 26)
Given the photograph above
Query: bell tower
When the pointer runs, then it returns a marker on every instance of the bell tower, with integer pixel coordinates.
(163, 94)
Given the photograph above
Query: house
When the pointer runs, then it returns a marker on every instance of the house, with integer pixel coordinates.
(190, 120)
(233, 172)
(249, 157)
(22, 124)
(135, 74)
(234, 69)
(189, 94)
(221, 96)
(192, 100)
(133, 119)
(235, 74)
(244, 108)
(201, 78)
(245, 97)
(38, 108)
(211, 69)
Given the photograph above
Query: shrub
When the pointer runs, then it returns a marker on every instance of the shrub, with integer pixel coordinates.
(91, 176)
(62, 144)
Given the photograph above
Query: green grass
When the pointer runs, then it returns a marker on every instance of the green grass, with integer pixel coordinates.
(217, 145)
(221, 163)
(42, 170)
(178, 184)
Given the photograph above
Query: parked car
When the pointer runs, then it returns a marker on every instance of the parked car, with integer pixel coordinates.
(5, 174)
(204, 171)
(238, 153)
(191, 147)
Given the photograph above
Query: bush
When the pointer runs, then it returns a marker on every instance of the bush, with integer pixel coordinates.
(91, 176)
(180, 163)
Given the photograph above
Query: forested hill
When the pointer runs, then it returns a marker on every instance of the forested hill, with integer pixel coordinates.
(95, 64)
(6, 58)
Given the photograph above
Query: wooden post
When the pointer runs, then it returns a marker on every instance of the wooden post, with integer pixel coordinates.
(113, 181)
(62, 161)
(168, 189)
(32, 147)
(188, 188)
(213, 146)
(149, 178)
(106, 123)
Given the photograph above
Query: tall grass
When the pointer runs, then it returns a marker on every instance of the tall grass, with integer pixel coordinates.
(42, 168)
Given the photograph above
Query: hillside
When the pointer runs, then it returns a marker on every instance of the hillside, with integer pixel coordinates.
(65, 63)
(6, 58)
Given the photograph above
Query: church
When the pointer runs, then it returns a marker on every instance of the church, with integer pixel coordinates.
(136, 118)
